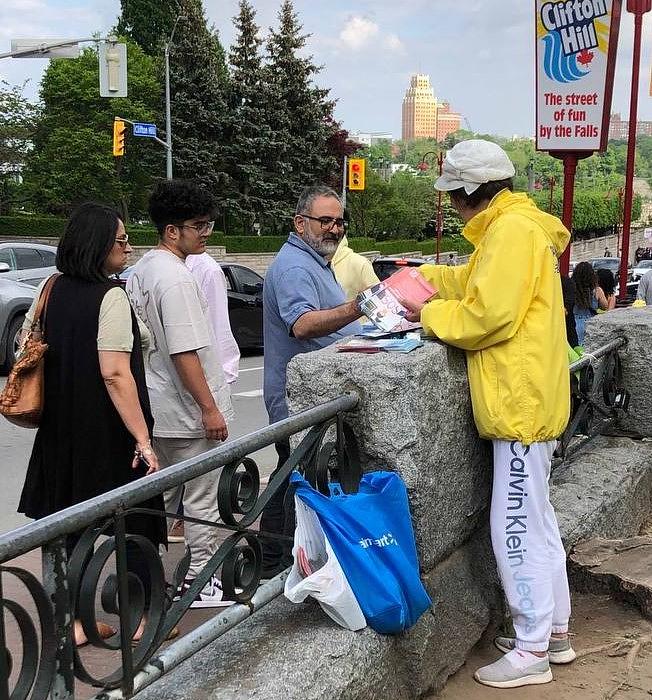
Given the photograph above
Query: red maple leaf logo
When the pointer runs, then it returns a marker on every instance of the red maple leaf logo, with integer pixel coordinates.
(585, 57)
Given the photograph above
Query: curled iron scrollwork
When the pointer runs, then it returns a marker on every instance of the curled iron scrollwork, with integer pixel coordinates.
(86, 566)
(37, 664)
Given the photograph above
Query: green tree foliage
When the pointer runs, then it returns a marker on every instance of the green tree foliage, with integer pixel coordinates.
(303, 111)
(18, 120)
(148, 22)
(252, 146)
(399, 208)
(72, 157)
(198, 90)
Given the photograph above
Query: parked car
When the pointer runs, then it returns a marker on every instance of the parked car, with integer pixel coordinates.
(640, 269)
(245, 294)
(15, 300)
(30, 263)
(612, 264)
(385, 266)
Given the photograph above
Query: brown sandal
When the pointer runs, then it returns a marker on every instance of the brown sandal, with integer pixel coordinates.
(104, 630)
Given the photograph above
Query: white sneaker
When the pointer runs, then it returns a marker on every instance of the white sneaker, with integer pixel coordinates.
(211, 596)
(503, 674)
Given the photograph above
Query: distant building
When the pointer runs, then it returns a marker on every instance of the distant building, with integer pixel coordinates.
(423, 117)
(419, 109)
(370, 138)
(447, 122)
(619, 129)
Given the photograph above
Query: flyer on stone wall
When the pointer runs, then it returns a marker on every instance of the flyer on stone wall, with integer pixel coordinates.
(576, 42)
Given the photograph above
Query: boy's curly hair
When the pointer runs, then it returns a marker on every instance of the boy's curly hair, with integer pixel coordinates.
(176, 201)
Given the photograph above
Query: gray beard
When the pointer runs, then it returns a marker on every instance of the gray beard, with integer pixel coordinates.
(325, 248)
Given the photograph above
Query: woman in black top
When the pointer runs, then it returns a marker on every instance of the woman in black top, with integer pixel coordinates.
(96, 426)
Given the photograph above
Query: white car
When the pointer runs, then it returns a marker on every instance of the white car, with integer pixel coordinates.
(641, 267)
(29, 263)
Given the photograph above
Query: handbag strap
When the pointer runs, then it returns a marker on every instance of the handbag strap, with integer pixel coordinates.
(42, 306)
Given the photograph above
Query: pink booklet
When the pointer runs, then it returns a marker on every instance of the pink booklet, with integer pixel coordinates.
(381, 303)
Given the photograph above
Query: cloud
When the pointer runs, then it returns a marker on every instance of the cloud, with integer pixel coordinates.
(358, 32)
(394, 44)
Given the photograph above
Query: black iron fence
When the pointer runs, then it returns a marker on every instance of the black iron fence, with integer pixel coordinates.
(47, 662)
(598, 397)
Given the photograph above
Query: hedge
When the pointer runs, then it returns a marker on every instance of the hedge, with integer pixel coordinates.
(144, 234)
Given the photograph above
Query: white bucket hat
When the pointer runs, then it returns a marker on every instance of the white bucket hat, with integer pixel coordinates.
(471, 163)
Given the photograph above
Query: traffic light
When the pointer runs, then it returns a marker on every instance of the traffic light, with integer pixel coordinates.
(118, 137)
(356, 173)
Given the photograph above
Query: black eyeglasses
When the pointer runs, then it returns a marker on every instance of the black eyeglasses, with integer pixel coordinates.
(327, 222)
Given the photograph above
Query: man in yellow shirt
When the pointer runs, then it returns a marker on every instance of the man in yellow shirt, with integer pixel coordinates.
(352, 270)
(505, 309)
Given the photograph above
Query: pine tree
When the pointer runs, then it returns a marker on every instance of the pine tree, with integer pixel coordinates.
(303, 107)
(252, 146)
(198, 86)
(148, 22)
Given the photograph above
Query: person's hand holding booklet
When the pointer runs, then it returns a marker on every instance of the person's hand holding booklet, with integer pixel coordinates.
(383, 304)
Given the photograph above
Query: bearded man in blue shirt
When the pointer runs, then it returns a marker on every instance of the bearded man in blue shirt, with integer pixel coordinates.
(304, 309)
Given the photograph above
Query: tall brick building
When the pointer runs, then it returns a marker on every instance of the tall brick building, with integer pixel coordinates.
(423, 116)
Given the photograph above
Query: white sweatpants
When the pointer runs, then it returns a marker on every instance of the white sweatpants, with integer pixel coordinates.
(526, 542)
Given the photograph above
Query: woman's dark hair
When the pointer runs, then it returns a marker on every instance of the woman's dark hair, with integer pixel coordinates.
(87, 240)
(585, 282)
(606, 281)
(176, 201)
(486, 192)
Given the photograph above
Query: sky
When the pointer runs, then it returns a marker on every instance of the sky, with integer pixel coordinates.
(478, 53)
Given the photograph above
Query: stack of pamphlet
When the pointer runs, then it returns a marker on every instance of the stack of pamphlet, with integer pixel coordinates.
(381, 304)
(391, 331)
(372, 345)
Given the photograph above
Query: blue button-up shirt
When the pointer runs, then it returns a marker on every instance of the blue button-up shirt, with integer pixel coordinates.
(299, 280)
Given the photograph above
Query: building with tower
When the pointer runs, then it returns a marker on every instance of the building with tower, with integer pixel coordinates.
(423, 116)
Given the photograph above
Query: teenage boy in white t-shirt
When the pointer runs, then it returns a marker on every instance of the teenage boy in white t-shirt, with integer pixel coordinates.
(189, 395)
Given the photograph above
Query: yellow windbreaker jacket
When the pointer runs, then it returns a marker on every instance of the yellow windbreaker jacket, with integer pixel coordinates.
(505, 309)
(352, 270)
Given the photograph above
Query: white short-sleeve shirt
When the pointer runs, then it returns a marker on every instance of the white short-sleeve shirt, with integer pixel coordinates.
(167, 298)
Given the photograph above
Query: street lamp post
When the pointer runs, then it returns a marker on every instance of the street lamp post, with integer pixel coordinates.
(440, 213)
(168, 110)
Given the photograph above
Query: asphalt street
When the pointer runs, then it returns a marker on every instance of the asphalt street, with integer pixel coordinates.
(16, 443)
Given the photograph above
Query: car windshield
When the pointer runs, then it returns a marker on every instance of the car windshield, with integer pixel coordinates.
(606, 264)
(644, 263)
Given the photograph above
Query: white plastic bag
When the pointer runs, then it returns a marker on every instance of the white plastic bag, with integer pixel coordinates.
(327, 584)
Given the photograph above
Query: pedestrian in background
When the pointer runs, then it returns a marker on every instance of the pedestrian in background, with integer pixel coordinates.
(96, 427)
(607, 283)
(644, 290)
(505, 308)
(304, 309)
(190, 398)
(588, 297)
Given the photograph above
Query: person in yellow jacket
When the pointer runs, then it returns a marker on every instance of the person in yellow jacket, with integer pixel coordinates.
(352, 270)
(505, 309)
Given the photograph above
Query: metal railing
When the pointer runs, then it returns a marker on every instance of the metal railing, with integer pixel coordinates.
(47, 662)
(598, 397)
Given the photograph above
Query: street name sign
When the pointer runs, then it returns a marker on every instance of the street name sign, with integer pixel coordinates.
(144, 129)
(576, 44)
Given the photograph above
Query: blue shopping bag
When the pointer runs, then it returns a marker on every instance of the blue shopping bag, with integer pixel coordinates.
(371, 534)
